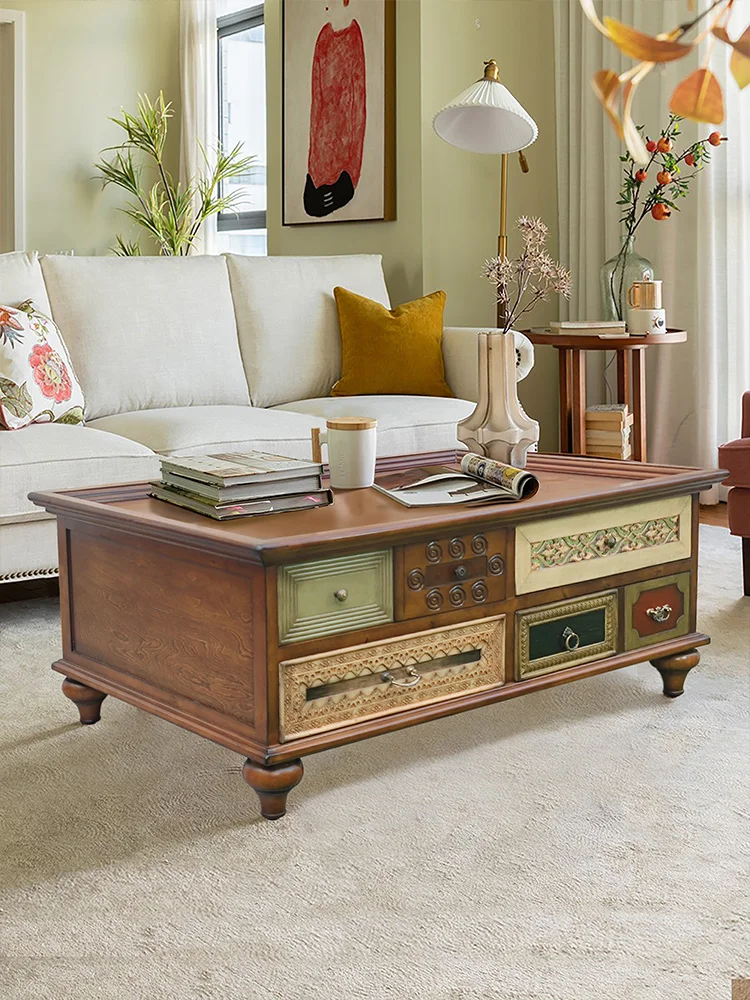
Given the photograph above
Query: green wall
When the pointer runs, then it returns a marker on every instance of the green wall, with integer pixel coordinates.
(85, 59)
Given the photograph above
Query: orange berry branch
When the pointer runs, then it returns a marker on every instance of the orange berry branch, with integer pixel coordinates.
(638, 201)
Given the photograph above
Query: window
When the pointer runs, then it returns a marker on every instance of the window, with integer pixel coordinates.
(242, 118)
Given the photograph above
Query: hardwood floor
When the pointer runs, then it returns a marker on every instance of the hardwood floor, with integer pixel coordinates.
(715, 514)
(27, 590)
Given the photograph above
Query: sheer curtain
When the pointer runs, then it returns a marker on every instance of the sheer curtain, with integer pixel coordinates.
(199, 96)
(702, 253)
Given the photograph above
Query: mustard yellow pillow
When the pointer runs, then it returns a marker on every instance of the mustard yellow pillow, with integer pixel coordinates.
(391, 351)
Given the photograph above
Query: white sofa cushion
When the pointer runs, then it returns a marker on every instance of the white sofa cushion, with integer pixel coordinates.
(406, 424)
(61, 457)
(147, 332)
(207, 430)
(21, 279)
(287, 320)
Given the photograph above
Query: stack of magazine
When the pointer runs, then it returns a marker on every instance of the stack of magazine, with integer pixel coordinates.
(233, 485)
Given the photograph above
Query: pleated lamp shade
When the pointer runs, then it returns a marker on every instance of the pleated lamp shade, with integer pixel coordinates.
(486, 118)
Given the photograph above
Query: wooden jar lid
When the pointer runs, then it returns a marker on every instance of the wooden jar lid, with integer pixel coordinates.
(351, 423)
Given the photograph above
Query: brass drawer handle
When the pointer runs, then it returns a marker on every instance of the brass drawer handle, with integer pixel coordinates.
(388, 678)
(572, 639)
(341, 595)
(660, 613)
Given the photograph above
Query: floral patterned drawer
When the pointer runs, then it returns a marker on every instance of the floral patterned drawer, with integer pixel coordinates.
(593, 544)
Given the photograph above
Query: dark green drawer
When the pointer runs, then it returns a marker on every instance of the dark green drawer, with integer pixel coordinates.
(565, 634)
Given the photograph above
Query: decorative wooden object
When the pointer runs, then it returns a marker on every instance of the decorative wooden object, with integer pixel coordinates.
(499, 427)
(192, 620)
(631, 354)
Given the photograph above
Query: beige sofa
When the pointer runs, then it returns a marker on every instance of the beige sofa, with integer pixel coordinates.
(186, 356)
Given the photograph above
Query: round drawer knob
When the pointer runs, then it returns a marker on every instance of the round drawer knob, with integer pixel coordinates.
(460, 572)
(571, 639)
(341, 595)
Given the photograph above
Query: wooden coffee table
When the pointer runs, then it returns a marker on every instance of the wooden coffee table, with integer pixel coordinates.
(281, 636)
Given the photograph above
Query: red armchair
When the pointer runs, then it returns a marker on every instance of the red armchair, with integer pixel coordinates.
(735, 456)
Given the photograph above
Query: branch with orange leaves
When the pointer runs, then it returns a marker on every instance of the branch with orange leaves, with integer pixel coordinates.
(698, 97)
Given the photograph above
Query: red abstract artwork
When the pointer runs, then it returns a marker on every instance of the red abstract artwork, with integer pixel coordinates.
(338, 119)
(339, 162)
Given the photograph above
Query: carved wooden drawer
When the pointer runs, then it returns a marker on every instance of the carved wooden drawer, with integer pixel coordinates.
(328, 691)
(578, 547)
(450, 573)
(329, 596)
(565, 634)
(656, 610)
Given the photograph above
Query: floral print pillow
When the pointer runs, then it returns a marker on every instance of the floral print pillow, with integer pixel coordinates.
(37, 381)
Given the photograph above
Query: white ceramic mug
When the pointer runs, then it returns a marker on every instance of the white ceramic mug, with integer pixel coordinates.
(351, 451)
(644, 321)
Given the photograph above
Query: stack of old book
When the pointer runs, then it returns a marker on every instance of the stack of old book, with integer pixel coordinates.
(608, 430)
(233, 485)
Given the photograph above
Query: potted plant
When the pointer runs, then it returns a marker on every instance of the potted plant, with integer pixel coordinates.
(171, 213)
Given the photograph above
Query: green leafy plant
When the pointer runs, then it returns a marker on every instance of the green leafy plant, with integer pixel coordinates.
(171, 213)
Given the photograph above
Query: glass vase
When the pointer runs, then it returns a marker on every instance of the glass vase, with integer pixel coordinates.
(616, 277)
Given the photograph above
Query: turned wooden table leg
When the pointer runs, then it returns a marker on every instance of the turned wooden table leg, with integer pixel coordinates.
(674, 669)
(88, 700)
(272, 784)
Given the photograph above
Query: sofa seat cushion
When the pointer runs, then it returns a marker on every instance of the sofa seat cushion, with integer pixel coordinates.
(287, 321)
(62, 457)
(208, 430)
(21, 278)
(406, 424)
(146, 332)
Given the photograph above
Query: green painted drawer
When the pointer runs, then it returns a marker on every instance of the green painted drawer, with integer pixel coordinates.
(566, 634)
(328, 596)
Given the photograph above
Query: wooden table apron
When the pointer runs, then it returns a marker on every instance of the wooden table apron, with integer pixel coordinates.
(180, 616)
(631, 381)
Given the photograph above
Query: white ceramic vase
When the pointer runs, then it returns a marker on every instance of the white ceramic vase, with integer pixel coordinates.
(499, 427)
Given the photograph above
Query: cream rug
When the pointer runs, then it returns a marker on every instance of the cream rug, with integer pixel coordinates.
(584, 843)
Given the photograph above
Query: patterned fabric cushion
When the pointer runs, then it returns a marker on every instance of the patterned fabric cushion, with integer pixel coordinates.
(37, 381)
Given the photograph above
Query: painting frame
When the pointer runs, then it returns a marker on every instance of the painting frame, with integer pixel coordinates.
(372, 196)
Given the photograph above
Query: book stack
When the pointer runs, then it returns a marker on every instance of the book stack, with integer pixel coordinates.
(608, 430)
(234, 485)
(589, 328)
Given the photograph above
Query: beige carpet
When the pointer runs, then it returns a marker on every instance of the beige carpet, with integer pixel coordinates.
(585, 843)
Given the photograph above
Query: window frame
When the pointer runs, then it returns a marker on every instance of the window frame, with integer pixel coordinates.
(232, 24)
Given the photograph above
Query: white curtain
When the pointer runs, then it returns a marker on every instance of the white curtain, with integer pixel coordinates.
(199, 96)
(702, 253)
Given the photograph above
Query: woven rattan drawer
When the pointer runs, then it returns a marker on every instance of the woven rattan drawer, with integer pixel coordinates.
(319, 693)
(577, 547)
(565, 634)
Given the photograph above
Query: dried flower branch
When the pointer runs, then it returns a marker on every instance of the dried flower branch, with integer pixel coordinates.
(523, 281)
(698, 97)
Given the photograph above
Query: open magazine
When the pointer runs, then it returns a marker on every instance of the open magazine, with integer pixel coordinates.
(480, 480)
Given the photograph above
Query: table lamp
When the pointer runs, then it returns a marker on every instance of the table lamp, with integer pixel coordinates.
(486, 118)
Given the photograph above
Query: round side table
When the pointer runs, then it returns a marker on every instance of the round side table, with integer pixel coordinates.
(631, 356)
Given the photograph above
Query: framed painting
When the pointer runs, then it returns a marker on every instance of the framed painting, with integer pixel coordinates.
(339, 86)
